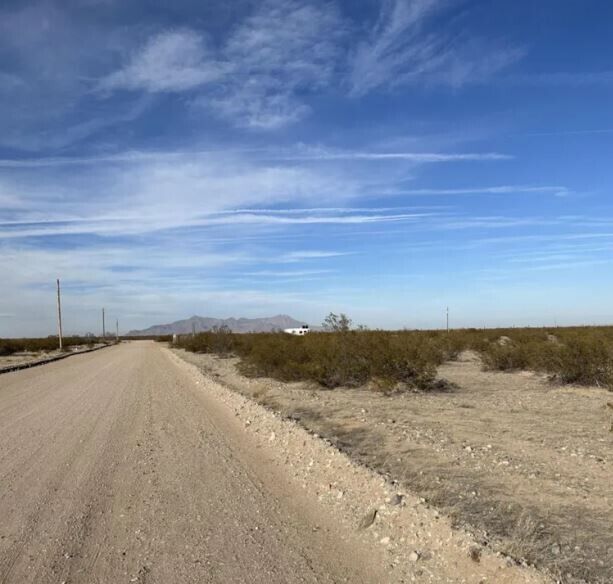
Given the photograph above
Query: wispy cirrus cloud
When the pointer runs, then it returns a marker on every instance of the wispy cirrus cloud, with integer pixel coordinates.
(136, 192)
(420, 157)
(172, 61)
(300, 256)
(133, 225)
(270, 154)
(261, 74)
(495, 190)
(287, 273)
(284, 50)
(402, 49)
(254, 78)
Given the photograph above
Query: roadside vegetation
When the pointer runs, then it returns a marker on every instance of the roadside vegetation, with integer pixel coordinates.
(341, 355)
(570, 355)
(47, 344)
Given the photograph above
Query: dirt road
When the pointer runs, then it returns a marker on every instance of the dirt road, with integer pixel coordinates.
(117, 467)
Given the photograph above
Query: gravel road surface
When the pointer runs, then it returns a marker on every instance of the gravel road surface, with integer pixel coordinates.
(116, 466)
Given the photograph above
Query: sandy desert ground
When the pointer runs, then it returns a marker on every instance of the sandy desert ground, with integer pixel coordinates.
(525, 465)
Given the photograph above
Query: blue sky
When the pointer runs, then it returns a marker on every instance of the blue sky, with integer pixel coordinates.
(384, 158)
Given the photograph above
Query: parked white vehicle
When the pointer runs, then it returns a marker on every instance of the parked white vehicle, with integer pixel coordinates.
(303, 330)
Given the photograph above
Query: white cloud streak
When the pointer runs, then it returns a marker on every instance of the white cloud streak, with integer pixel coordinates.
(420, 157)
(496, 190)
(132, 226)
(300, 256)
(266, 154)
(287, 273)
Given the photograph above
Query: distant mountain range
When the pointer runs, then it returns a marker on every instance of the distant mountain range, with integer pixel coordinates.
(236, 325)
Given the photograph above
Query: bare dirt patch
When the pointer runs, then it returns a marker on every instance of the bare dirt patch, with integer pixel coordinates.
(8, 362)
(28, 358)
(524, 464)
(25, 357)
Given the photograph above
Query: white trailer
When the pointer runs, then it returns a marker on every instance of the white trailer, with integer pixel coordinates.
(303, 330)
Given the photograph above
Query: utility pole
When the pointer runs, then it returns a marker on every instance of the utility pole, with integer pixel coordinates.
(59, 314)
(117, 330)
(103, 326)
(193, 329)
(448, 320)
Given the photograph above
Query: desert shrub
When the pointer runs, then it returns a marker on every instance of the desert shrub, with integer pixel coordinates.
(497, 357)
(452, 344)
(583, 360)
(38, 345)
(7, 348)
(197, 343)
(408, 359)
(219, 340)
(347, 358)
(274, 355)
(511, 356)
(572, 355)
(340, 358)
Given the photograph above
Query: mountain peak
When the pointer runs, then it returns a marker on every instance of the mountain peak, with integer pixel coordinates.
(206, 323)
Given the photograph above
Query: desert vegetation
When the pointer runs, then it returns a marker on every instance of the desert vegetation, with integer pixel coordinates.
(41, 345)
(394, 360)
(341, 357)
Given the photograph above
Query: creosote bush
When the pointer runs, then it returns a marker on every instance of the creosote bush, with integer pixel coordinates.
(572, 355)
(346, 358)
(586, 361)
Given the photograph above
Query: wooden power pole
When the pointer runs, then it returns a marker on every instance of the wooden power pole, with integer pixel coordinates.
(447, 319)
(59, 314)
(117, 330)
(103, 326)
